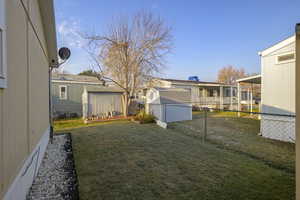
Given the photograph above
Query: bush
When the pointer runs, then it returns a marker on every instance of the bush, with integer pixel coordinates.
(143, 117)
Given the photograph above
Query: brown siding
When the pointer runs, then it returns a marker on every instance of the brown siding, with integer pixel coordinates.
(24, 103)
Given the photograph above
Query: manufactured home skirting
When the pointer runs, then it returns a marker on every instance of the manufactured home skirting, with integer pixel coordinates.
(278, 128)
(22, 183)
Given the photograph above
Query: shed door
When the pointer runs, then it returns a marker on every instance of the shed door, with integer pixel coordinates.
(99, 104)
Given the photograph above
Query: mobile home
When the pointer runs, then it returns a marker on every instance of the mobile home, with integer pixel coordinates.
(67, 90)
(203, 94)
(278, 90)
(27, 50)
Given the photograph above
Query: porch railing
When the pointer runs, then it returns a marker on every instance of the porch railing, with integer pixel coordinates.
(217, 100)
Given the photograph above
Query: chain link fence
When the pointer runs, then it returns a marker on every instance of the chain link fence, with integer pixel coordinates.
(213, 120)
(267, 137)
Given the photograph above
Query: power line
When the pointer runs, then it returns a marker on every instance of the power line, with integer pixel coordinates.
(34, 30)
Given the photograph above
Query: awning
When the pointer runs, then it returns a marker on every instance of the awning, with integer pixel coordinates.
(251, 79)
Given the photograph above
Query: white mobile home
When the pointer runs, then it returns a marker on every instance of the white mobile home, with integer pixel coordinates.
(169, 104)
(278, 90)
(203, 94)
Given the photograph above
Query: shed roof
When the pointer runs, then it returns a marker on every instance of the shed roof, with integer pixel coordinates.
(75, 78)
(174, 95)
(105, 89)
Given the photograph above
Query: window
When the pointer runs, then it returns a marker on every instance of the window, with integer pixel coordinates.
(227, 92)
(2, 45)
(211, 92)
(201, 92)
(63, 92)
(234, 92)
(285, 58)
(244, 96)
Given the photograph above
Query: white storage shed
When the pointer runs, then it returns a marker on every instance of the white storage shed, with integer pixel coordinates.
(169, 104)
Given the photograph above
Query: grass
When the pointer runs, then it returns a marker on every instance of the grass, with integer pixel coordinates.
(126, 160)
(65, 125)
(240, 135)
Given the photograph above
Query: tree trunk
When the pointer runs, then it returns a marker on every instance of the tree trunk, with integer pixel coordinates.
(125, 104)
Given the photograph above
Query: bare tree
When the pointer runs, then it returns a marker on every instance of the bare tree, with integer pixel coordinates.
(133, 50)
(230, 74)
(88, 72)
(60, 71)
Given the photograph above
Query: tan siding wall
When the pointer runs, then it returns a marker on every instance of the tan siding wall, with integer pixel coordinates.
(1, 146)
(38, 80)
(24, 103)
(14, 110)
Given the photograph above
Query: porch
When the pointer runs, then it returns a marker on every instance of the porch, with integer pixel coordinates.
(220, 96)
(249, 93)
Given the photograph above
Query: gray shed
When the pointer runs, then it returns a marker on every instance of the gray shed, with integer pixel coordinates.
(169, 104)
(102, 103)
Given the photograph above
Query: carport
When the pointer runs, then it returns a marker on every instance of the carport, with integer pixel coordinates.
(250, 81)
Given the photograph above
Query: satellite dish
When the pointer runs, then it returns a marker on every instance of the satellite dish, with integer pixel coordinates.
(64, 53)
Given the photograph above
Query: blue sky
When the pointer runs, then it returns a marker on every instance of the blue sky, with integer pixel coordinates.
(207, 34)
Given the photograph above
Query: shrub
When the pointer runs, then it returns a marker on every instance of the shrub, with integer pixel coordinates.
(143, 117)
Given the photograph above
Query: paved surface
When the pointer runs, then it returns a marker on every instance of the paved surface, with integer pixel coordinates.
(56, 178)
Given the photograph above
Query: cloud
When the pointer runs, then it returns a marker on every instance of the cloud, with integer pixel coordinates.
(69, 34)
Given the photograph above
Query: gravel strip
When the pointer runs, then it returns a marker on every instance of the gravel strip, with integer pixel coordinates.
(56, 177)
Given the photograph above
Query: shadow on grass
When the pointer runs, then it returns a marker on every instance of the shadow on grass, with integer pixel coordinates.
(133, 161)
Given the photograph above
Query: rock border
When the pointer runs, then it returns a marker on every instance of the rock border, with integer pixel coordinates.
(57, 177)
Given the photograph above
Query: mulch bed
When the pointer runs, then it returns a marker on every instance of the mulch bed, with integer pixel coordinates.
(92, 120)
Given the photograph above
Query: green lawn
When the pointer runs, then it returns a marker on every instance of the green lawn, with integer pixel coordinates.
(226, 131)
(125, 160)
(69, 124)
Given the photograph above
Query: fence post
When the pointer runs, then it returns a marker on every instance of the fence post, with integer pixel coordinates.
(205, 125)
(165, 111)
(239, 98)
(221, 98)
